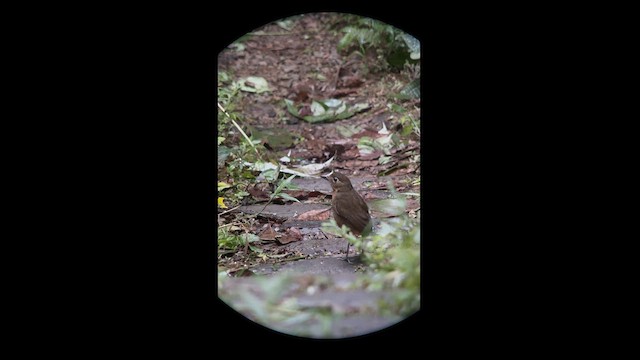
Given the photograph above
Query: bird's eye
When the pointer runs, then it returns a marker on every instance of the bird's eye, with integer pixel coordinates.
(335, 179)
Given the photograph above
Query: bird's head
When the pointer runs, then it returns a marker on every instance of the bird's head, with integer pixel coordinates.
(339, 182)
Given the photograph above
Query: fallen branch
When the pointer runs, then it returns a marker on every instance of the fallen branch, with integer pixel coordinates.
(294, 258)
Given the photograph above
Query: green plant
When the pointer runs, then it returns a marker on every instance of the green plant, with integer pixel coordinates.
(269, 302)
(409, 120)
(230, 241)
(392, 251)
(235, 147)
(390, 43)
(282, 185)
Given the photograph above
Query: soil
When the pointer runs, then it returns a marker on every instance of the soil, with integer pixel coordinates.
(303, 64)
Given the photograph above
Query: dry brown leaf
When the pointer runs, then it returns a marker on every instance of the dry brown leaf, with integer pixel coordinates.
(373, 156)
(292, 234)
(351, 81)
(368, 133)
(315, 215)
(258, 194)
(343, 92)
(303, 194)
(359, 164)
(268, 233)
(412, 204)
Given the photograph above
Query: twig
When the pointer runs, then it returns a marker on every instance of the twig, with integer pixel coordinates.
(272, 217)
(294, 258)
(241, 131)
(274, 34)
(265, 206)
(411, 148)
(222, 213)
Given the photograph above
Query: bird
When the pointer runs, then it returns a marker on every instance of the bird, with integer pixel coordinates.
(348, 207)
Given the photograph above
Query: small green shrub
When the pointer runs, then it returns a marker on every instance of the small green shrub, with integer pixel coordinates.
(391, 44)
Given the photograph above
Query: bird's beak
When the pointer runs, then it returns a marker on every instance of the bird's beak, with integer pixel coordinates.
(326, 177)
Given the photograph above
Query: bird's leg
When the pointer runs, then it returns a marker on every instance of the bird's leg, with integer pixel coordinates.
(347, 257)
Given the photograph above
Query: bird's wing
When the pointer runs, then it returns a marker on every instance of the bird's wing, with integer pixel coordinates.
(359, 216)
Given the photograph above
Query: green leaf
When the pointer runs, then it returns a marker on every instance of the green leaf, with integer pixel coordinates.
(277, 174)
(384, 143)
(412, 90)
(286, 24)
(254, 84)
(288, 197)
(366, 145)
(318, 108)
(360, 107)
(292, 109)
(283, 184)
(333, 103)
(268, 175)
(223, 154)
(384, 159)
(328, 117)
(223, 77)
(241, 194)
(396, 108)
(348, 131)
(239, 46)
(341, 109)
(223, 185)
(249, 238)
(328, 111)
(412, 43)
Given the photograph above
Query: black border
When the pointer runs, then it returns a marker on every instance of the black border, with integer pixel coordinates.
(144, 168)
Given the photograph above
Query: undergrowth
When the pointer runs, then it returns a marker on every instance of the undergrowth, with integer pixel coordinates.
(364, 35)
(392, 252)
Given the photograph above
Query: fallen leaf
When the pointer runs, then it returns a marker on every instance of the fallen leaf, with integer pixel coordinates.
(343, 92)
(223, 185)
(292, 234)
(295, 232)
(254, 84)
(221, 203)
(384, 130)
(413, 204)
(373, 156)
(302, 194)
(268, 233)
(315, 215)
(351, 81)
(241, 273)
(263, 166)
(258, 194)
(314, 168)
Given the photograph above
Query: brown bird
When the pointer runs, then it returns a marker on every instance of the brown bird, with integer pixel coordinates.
(348, 207)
